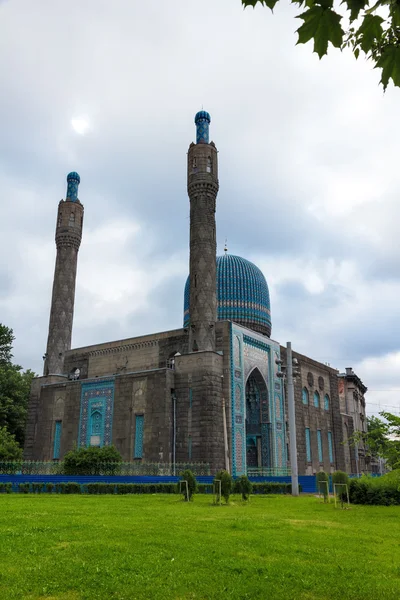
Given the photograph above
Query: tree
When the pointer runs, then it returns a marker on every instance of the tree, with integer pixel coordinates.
(245, 486)
(6, 342)
(14, 393)
(9, 447)
(92, 461)
(15, 386)
(377, 36)
(382, 438)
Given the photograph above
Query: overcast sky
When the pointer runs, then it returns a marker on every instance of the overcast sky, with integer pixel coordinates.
(308, 168)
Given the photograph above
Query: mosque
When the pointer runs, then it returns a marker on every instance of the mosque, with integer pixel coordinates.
(206, 393)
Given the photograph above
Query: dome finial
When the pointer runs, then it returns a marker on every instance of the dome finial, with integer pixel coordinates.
(202, 120)
(226, 246)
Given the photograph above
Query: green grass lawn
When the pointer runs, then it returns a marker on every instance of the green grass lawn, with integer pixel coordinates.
(158, 547)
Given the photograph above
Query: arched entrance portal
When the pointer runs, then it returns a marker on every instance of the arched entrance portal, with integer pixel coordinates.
(258, 453)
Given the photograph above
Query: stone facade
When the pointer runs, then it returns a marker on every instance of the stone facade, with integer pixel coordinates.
(319, 430)
(352, 407)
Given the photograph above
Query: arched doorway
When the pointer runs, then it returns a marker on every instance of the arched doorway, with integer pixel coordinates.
(258, 453)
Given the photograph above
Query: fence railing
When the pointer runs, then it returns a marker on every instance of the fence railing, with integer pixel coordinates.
(29, 467)
(262, 472)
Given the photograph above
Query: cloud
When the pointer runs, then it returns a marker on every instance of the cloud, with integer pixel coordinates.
(307, 167)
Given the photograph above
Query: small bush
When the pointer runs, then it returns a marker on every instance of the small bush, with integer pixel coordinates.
(384, 491)
(49, 487)
(192, 485)
(226, 484)
(343, 478)
(37, 488)
(243, 486)
(5, 488)
(92, 461)
(23, 488)
(322, 488)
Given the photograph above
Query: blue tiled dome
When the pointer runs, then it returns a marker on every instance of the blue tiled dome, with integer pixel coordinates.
(73, 176)
(242, 294)
(202, 114)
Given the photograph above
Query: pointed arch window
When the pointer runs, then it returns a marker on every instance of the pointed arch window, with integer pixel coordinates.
(209, 165)
(326, 402)
(96, 428)
(304, 395)
(316, 399)
(72, 219)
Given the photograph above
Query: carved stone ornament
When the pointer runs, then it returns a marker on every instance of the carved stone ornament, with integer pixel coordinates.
(310, 379)
(321, 383)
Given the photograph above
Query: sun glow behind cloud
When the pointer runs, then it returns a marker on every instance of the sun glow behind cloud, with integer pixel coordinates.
(81, 126)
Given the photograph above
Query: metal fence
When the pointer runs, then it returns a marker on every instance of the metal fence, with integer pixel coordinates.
(28, 467)
(260, 472)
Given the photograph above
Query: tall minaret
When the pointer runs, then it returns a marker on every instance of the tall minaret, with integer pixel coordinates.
(68, 240)
(202, 190)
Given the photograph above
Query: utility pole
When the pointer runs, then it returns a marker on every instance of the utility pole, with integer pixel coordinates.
(287, 373)
(292, 421)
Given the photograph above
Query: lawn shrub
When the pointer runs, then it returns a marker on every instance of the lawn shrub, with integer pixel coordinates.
(341, 477)
(49, 487)
(384, 491)
(5, 488)
(226, 484)
(272, 487)
(322, 488)
(92, 461)
(243, 486)
(37, 488)
(192, 484)
(23, 488)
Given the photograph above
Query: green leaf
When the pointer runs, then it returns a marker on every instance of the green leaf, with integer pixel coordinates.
(389, 62)
(253, 3)
(357, 52)
(355, 6)
(370, 32)
(323, 25)
(395, 14)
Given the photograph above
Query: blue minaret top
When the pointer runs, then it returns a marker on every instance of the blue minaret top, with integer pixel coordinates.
(202, 120)
(73, 181)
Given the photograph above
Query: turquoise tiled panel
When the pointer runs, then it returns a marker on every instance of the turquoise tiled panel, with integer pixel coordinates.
(97, 405)
(308, 445)
(319, 442)
(202, 120)
(57, 439)
(330, 447)
(139, 426)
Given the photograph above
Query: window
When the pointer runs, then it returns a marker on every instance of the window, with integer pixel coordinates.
(209, 165)
(326, 402)
(72, 219)
(194, 163)
(304, 395)
(319, 442)
(190, 397)
(316, 399)
(330, 447)
(57, 440)
(190, 447)
(139, 436)
(308, 444)
(59, 219)
(96, 427)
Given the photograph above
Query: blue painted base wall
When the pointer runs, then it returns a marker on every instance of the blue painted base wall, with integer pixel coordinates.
(308, 483)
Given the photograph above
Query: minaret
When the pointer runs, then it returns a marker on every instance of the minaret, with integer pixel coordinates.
(202, 190)
(68, 240)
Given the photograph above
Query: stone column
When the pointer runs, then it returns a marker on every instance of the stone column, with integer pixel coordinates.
(202, 190)
(68, 240)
